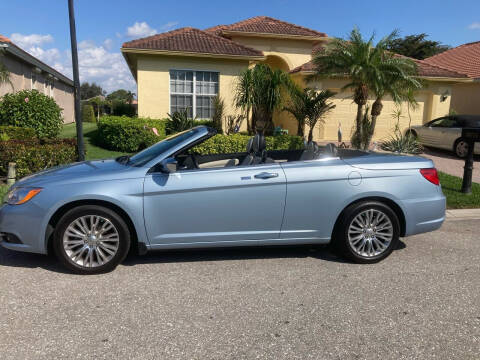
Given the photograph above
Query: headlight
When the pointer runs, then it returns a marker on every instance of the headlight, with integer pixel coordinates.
(21, 195)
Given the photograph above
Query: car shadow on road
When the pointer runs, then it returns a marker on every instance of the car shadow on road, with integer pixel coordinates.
(10, 258)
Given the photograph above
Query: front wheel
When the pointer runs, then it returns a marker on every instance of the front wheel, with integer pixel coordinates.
(369, 231)
(91, 239)
(461, 148)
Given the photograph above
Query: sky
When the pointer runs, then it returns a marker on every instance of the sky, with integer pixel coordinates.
(41, 27)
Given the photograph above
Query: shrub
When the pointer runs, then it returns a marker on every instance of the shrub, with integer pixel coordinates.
(179, 121)
(17, 133)
(224, 144)
(32, 109)
(36, 155)
(121, 133)
(88, 114)
(218, 110)
(402, 143)
(123, 109)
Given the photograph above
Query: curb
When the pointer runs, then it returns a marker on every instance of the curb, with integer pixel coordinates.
(462, 214)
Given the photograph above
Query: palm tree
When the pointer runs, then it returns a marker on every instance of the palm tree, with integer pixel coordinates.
(370, 69)
(4, 73)
(296, 107)
(316, 106)
(260, 89)
(130, 96)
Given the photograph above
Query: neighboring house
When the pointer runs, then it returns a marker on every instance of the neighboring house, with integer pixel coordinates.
(27, 73)
(464, 59)
(187, 67)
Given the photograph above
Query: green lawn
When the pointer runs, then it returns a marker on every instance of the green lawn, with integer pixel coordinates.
(3, 191)
(90, 133)
(451, 186)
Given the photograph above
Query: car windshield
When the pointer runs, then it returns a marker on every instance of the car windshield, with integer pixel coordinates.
(153, 151)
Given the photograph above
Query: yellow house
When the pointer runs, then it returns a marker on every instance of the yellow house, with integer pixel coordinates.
(187, 67)
(464, 59)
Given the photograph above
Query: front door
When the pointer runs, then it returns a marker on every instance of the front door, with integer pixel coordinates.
(223, 206)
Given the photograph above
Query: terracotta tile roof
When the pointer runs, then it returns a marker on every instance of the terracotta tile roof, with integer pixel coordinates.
(464, 59)
(4, 39)
(424, 69)
(189, 39)
(266, 25)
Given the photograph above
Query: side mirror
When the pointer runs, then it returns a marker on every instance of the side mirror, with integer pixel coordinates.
(168, 165)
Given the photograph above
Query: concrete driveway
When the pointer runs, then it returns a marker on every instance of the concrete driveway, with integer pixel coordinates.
(290, 303)
(447, 162)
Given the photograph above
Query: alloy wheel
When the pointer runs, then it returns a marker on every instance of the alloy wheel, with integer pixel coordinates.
(91, 241)
(370, 233)
(461, 149)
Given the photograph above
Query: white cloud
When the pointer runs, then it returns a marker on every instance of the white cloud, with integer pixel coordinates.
(474, 26)
(31, 40)
(168, 26)
(140, 29)
(97, 63)
(108, 44)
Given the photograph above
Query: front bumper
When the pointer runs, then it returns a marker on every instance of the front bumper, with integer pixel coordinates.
(25, 222)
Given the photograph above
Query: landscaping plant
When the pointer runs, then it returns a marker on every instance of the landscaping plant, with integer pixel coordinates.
(32, 109)
(179, 121)
(371, 70)
(218, 110)
(87, 113)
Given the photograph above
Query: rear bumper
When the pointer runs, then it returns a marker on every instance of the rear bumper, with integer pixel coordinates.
(424, 215)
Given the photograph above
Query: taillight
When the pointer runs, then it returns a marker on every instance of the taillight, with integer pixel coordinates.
(431, 175)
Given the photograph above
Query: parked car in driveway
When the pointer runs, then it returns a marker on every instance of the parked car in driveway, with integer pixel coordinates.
(168, 197)
(446, 133)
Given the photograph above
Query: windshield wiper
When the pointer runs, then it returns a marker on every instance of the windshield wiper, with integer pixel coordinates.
(124, 159)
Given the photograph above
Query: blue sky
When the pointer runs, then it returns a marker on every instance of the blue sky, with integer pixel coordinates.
(41, 26)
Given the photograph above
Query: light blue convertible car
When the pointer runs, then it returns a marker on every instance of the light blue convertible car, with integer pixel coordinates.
(167, 197)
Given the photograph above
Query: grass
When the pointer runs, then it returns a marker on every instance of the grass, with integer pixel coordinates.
(451, 186)
(3, 191)
(90, 134)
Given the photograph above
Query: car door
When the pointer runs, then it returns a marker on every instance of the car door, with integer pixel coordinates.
(316, 192)
(450, 131)
(216, 206)
(431, 132)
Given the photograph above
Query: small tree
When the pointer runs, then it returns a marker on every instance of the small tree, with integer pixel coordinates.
(4, 73)
(296, 107)
(317, 106)
(218, 110)
(417, 46)
(87, 113)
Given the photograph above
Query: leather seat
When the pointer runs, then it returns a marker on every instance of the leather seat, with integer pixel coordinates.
(256, 153)
(311, 151)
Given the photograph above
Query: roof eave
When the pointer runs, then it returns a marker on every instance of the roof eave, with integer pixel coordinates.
(192, 54)
(446, 79)
(275, 36)
(22, 54)
(131, 67)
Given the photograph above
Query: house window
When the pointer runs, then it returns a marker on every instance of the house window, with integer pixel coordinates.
(193, 90)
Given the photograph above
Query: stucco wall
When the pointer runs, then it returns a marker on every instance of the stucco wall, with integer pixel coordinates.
(466, 98)
(153, 80)
(294, 52)
(429, 107)
(21, 77)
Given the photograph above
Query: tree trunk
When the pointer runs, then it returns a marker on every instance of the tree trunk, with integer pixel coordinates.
(300, 129)
(375, 112)
(310, 134)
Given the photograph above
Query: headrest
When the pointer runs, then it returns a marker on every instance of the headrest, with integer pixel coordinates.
(331, 149)
(311, 146)
(250, 145)
(258, 143)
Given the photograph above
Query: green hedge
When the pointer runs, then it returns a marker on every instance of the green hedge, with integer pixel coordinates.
(88, 115)
(17, 133)
(32, 109)
(122, 133)
(36, 155)
(225, 144)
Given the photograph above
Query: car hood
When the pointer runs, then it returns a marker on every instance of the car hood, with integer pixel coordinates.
(78, 172)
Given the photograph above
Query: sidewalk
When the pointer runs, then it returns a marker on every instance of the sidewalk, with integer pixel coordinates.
(462, 214)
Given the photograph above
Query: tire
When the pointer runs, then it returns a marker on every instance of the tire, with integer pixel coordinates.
(83, 251)
(349, 241)
(412, 133)
(460, 148)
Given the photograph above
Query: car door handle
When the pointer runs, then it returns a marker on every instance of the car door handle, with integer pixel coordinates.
(266, 175)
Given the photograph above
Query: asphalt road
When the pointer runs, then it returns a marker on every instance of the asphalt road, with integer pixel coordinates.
(422, 302)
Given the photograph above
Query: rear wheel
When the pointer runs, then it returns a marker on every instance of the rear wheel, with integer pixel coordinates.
(368, 232)
(91, 239)
(461, 148)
